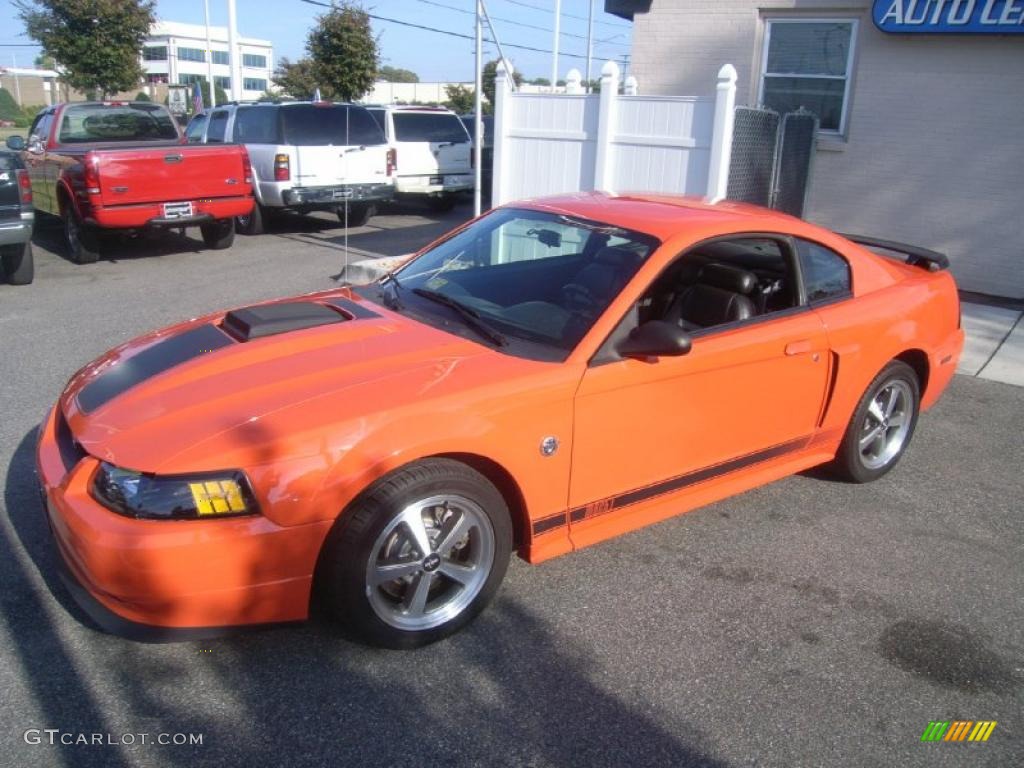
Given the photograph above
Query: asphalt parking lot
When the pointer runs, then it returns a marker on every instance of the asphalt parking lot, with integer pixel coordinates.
(807, 623)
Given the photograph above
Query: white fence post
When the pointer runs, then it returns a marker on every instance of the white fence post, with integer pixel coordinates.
(631, 87)
(721, 140)
(606, 122)
(574, 82)
(502, 107)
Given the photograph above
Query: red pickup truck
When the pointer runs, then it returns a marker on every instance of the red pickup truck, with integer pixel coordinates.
(121, 165)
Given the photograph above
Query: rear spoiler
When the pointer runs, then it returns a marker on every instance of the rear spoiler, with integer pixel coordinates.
(919, 257)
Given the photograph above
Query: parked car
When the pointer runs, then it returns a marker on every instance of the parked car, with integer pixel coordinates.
(486, 151)
(553, 374)
(120, 165)
(432, 152)
(16, 216)
(306, 156)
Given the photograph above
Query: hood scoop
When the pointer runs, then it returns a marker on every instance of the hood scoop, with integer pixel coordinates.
(271, 319)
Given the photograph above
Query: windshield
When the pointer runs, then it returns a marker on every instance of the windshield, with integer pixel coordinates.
(116, 122)
(310, 125)
(429, 126)
(534, 277)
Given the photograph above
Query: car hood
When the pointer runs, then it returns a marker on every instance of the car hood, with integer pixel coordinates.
(147, 401)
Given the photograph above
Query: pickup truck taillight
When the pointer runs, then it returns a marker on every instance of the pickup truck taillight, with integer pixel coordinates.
(392, 163)
(246, 167)
(24, 186)
(91, 173)
(282, 168)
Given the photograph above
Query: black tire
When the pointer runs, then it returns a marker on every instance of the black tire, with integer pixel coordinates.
(18, 264)
(219, 234)
(358, 214)
(442, 203)
(859, 464)
(82, 241)
(352, 547)
(254, 223)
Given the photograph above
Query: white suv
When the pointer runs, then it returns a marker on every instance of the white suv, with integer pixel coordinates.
(433, 152)
(305, 156)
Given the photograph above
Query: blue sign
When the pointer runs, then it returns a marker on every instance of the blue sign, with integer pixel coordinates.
(965, 17)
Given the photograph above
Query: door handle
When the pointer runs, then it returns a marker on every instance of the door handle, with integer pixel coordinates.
(798, 347)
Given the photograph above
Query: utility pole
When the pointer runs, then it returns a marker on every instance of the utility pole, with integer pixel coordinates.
(554, 45)
(236, 64)
(209, 52)
(478, 123)
(590, 42)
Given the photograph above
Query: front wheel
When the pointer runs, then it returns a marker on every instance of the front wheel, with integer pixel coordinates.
(219, 234)
(418, 555)
(882, 425)
(82, 242)
(18, 264)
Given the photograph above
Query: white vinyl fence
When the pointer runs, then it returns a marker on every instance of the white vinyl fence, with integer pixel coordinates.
(550, 143)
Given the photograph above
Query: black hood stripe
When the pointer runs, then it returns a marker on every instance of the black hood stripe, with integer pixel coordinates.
(160, 357)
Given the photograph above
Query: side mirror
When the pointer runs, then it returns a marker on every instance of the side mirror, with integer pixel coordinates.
(655, 338)
(16, 143)
(35, 146)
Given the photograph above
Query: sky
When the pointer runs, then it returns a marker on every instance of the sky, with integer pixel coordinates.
(433, 56)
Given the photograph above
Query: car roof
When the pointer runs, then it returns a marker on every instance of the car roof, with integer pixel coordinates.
(411, 108)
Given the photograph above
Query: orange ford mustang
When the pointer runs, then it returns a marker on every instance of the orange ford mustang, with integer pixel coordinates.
(550, 375)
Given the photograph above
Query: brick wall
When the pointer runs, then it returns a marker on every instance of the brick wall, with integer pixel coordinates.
(932, 154)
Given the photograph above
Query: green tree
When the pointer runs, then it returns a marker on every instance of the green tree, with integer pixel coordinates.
(343, 51)
(204, 88)
(397, 75)
(96, 41)
(490, 72)
(9, 109)
(142, 96)
(295, 78)
(45, 62)
(539, 81)
(460, 98)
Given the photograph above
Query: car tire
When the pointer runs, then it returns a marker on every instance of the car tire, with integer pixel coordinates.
(882, 425)
(82, 241)
(442, 203)
(254, 223)
(18, 264)
(441, 584)
(358, 214)
(219, 234)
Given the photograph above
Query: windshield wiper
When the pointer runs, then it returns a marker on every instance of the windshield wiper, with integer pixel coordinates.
(470, 315)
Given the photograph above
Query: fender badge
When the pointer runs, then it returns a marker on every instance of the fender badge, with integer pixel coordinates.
(549, 446)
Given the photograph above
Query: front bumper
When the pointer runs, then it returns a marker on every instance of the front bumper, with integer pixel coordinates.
(174, 577)
(434, 184)
(338, 195)
(16, 231)
(152, 214)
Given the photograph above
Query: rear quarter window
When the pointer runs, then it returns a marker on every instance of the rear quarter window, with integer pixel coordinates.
(826, 274)
(429, 126)
(256, 125)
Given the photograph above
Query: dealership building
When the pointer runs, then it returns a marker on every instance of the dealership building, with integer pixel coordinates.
(175, 54)
(920, 102)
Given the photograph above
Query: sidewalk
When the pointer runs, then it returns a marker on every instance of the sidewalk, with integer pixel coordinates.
(994, 348)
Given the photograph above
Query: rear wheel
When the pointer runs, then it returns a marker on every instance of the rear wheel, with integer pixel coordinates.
(417, 556)
(358, 214)
(882, 425)
(18, 264)
(219, 234)
(442, 203)
(82, 242)
(253, 223)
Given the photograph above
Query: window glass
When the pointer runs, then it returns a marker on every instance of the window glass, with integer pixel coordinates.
(154, 53)
(191, 54)
(116, 122)
(218, 127)
(254, 84)
(188, 79)
(429, 126)
(310, 125)
(41, 128)
(253, 60)
(378, 116)
(806, 66)
(194, 132)
(224, 83)
(524, 239)
(221, 57)
(256, 125)
(826, 274)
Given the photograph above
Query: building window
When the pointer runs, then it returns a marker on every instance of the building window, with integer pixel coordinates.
(187, 79)
(807, 64)
(221, 57)
(191, 54)
(154, 53)
(224, 83)
(254, 84)
(156, 77)
(252, 60)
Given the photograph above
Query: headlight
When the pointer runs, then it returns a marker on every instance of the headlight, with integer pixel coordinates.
(166, 497)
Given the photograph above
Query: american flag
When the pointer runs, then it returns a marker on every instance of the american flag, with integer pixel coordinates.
(197, 98)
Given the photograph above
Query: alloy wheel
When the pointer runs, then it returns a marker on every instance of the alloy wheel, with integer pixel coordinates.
(886, 424)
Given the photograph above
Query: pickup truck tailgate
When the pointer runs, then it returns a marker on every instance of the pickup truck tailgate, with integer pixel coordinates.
(169, 174)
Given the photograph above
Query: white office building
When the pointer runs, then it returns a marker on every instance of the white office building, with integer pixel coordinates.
(175, 54)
